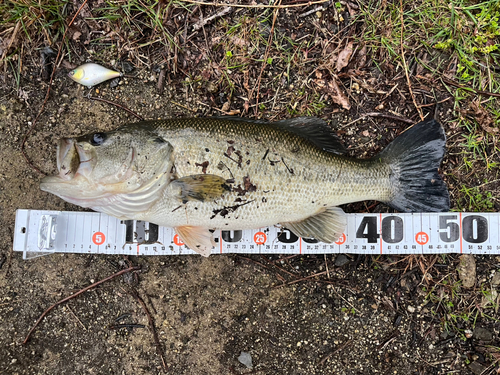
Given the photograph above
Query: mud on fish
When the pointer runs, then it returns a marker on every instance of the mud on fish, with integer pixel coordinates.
(198, 174)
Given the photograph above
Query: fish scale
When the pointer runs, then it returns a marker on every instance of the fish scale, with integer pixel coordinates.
(231, 173)
(317, 180)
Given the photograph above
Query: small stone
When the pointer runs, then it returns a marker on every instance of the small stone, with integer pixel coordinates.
(467, 270)
(468, 333)
(211, 87)
(246, 359)
(341, 260)
(411, 309)
(483, 334)
(477, 368)
(114, 83)
(495, 280)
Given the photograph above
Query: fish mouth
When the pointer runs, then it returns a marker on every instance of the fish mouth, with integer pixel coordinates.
(71, 161)
(68, 158)
(73, 167)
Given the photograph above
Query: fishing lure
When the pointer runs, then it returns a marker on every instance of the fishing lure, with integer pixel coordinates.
(91, 74)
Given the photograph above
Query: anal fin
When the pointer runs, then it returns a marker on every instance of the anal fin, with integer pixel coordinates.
(326, 226)
(199, 239)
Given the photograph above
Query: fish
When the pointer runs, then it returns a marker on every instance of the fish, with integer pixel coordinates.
(230, 173)
(91, 74)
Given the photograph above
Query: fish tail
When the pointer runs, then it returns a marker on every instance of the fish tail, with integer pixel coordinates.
(414, 158)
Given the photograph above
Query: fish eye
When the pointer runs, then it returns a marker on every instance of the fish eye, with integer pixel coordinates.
(97, 139)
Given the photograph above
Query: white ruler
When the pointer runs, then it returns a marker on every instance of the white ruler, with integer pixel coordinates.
(45, 232)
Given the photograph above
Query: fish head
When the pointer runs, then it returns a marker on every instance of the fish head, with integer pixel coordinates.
(97, 169)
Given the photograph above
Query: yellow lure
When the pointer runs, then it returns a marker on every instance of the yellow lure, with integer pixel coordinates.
(92, 74)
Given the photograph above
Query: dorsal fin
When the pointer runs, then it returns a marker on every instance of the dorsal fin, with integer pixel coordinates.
(313, 129)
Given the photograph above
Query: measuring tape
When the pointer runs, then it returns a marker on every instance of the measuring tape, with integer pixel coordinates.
(40, 232)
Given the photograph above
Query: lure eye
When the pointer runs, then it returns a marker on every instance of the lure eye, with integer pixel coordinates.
(97, 139)
(72, 73)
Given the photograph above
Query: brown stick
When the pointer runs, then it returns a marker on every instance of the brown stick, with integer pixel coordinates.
(117, 105)
(341, 347)
(301, 279)
(75, 295)
(264, 62)
(152, 328)
(405, 67)
(453, 83)
(390, 117)
(278, 6)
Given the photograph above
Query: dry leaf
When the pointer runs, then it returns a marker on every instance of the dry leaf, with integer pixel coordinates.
(362, 57)
(483, 118)
(344, 57)
(76, 35)
(66, 64)
(337, 94)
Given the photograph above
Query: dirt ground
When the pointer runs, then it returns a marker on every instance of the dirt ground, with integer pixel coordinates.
(365, 315)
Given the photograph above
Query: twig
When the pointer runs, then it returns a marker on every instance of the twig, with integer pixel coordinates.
(254, 261)
(313, 10)
(301, 279)
(391, 338)
(327, 270)
(264, 62)
(182, 106)
(202, 22)
(405, 67)
(78, 319)
(12, 39)
(390, 117)
(160, 85)
(122, 316)
(75, 295)
(435, 103)
(342, 347)
(152, 328)
(116, 105)
(453, 83)
(32, 127)
(278, 267)
(127, 325)
(279, 6)
(487, 183)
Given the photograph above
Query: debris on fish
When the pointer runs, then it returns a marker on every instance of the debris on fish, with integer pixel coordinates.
(91, 74)
(230, 173)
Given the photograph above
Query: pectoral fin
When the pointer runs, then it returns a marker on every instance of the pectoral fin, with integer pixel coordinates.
(327, 226)
(200, 187)
(199, 239)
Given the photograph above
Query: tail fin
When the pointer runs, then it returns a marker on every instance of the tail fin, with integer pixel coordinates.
(414, 158)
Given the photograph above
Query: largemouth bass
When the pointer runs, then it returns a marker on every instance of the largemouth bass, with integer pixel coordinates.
(200, 174)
